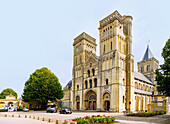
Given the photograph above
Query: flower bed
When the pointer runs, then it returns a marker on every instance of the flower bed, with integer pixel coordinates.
(144, 114)
(95, 119)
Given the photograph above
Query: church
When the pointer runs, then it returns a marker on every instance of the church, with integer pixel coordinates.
(108, 82)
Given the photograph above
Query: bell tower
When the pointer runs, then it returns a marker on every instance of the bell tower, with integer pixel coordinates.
(148, 65)
(117, 59)
(83, 45)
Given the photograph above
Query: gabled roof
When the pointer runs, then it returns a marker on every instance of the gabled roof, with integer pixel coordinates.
(141, 77)
(68, 86)
(97, 57)
(148, 54)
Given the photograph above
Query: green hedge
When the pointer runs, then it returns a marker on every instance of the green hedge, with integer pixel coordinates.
(144, 114)
(19, 109)
(95, 119)
(3, 110)
(37, 109)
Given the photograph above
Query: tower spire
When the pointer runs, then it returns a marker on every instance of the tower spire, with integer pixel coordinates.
(148, 54)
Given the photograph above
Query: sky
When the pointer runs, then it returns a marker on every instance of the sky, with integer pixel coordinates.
(40, 33)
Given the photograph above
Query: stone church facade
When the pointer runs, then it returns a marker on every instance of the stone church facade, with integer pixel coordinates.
(108, 82)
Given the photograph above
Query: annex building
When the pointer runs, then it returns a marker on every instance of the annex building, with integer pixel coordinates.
(108, 82)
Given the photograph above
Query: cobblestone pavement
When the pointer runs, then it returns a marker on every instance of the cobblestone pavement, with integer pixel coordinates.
(159, 119)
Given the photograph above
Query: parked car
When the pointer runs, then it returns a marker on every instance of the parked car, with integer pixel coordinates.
(51, 110)
(26, 110)
(65, 111)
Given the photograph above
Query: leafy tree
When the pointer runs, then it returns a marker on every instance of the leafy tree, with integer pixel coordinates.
(7, 92)
(42, 86)
(163, 73)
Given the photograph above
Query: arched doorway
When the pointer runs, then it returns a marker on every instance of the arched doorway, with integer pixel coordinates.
(78, 103)
(106, 100)
(90, 100)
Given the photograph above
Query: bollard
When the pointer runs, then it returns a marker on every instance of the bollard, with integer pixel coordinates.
(25, 116)
(50, 120)
(38, 118)
(30, 116)
(44, 119)
(69, 120)
(58, 122)
(12, 115)
(33, 117)
(5, 115)
(65, 122)
(19, 116)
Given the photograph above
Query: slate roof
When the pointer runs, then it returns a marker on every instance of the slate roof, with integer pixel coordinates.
(140, 76)
(68, 86)
(142, 91)
(148, 54)
(96, 56)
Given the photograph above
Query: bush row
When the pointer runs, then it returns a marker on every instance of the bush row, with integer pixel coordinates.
(37, 109)
(144, 114)
(3, 110)
(95, 119)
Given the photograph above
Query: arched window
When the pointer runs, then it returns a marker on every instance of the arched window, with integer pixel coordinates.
(80, 59)
(148, 67)
(77, 87)
(86, 84)
(90, 83)
(123, 99)
(93, 72)
(139, 86)
(136, 85)
(76, 61)
(104, 48)
(95, 82)
(107, 82)
(142, 69)
(88, 73)
(124, 81)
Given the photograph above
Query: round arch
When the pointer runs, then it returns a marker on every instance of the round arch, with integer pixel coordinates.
(106, 100)
(78, 102)
(90, 100)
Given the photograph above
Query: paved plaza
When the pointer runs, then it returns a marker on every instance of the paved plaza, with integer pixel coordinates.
(159, 119)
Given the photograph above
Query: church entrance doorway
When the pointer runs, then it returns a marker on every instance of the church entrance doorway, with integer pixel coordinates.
(94, 105)
(107, 105)
(78, 102)
(90, 100)
(106, 101)
(78, 105)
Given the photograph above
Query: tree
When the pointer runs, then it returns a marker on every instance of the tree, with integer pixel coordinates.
(7, 92)
(163, 73)
(42, 86)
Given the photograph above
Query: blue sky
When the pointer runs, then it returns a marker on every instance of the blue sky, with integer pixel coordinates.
(40, 33)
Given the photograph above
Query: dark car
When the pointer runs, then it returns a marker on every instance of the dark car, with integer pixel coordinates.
(65, 111)
(51, 110)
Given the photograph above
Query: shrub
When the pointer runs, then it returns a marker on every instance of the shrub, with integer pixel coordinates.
(145, 114)
(3, 110)
(19, 109)
(95, 119)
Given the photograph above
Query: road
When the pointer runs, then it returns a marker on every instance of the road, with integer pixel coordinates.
(10, 120)
(159, 119)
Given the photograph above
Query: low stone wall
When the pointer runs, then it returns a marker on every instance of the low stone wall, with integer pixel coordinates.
(158, 106)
